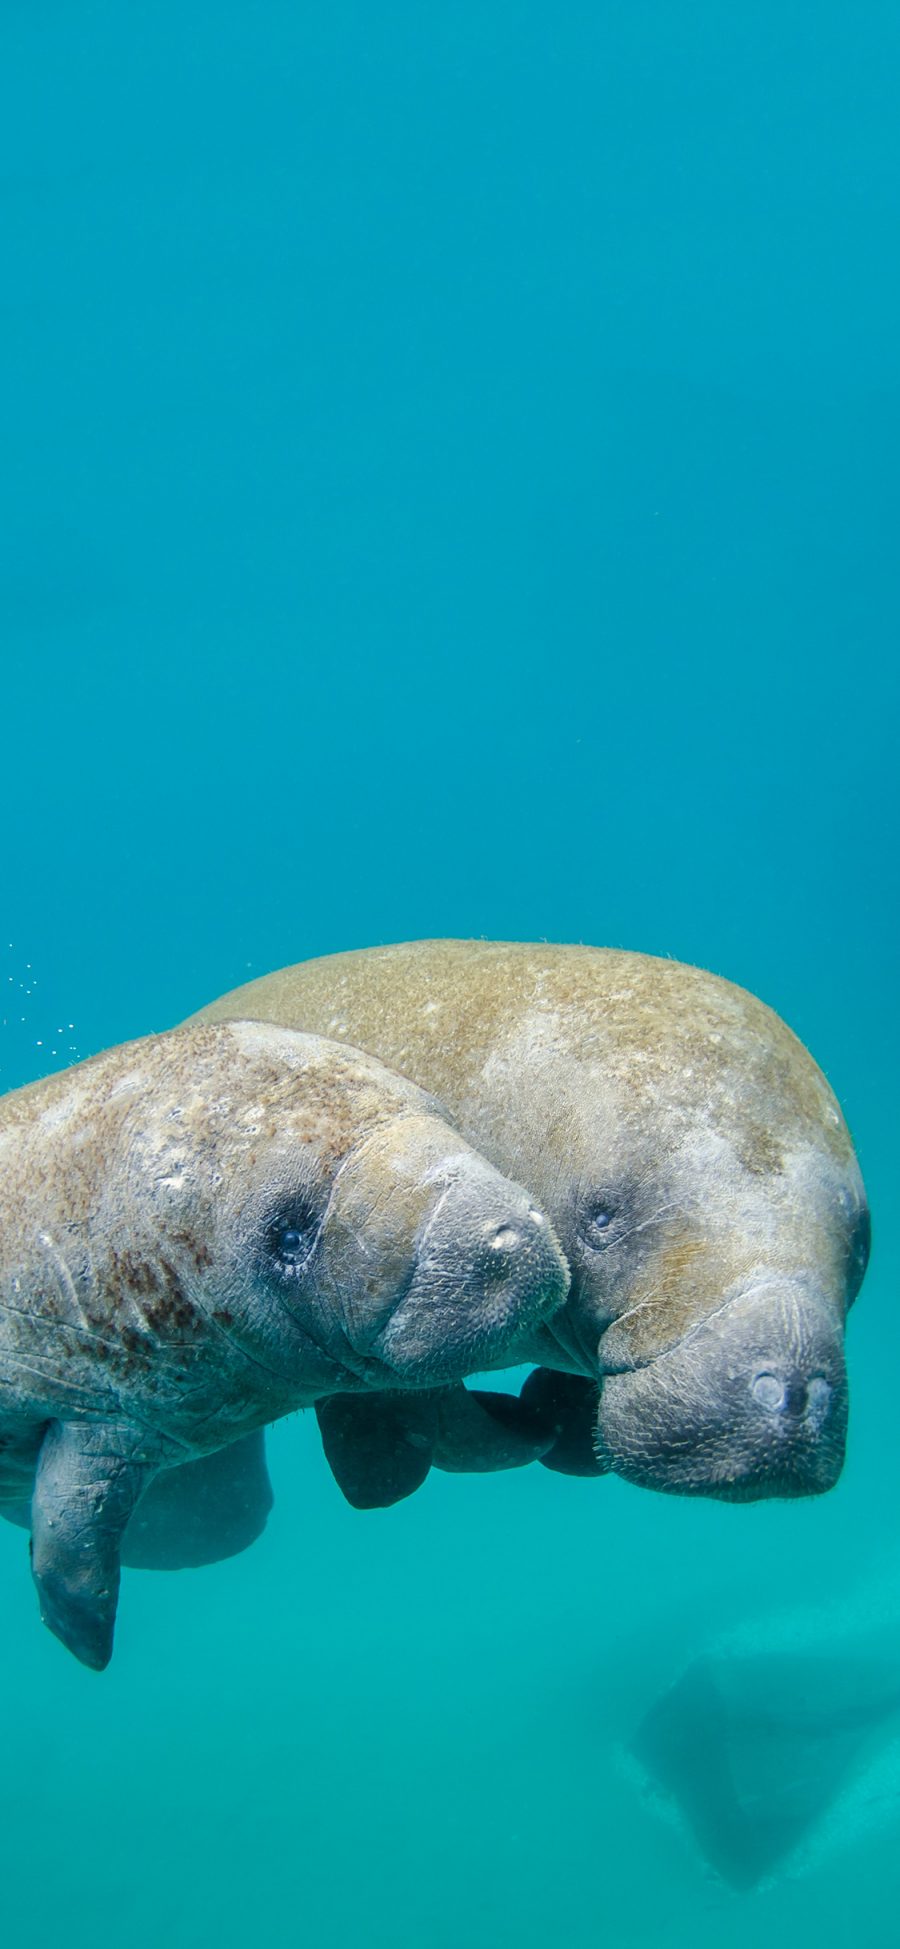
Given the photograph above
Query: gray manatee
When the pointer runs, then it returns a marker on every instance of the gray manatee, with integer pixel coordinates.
(753, 1750)
(696, 1168)
(203, 1231)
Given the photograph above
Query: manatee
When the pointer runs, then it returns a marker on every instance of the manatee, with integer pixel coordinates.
(697, 1171)
(752, 1751)
(203, 1231)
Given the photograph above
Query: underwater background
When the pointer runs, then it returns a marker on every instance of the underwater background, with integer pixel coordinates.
(449, 487)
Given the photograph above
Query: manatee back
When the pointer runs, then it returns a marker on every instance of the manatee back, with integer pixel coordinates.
(515, 1029)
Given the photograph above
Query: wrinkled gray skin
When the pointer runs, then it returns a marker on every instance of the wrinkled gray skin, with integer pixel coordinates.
(693, 1161)
(203, 1231)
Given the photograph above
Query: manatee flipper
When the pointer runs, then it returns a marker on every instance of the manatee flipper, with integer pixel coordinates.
(89, 1480)
(381, 1447)
(480, 1431)
(569, 1403)
(197, 1513)
(378, 1446)
(202, 1511)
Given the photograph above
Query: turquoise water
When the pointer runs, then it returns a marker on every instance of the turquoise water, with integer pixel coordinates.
(448, 487)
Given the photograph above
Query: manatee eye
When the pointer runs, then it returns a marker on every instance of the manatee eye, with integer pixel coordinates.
(598, 1224)
(290, 1237)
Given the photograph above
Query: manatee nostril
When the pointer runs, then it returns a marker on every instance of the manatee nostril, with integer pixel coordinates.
(794, 1398)
(819, 1397)
(505, 1239)
(499, 1254)
(769, 1392)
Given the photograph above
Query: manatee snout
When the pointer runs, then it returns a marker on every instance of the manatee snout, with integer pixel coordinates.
(751, 1403)
(488, 1269)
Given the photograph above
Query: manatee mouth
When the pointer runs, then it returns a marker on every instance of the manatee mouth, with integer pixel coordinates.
(750, 1403)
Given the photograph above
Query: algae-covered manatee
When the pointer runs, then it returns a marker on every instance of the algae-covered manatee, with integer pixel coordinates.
(698, 1173)
(203, 1231)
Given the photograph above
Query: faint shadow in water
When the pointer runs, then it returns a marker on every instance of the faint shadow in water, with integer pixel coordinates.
(756, 1750)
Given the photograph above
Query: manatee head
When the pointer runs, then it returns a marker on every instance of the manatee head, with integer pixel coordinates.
(704, 1188)
(723, 1373)
(325, 1215)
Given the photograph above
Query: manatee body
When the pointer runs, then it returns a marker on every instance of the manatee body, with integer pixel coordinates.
(203, 1231)
(696, 1168)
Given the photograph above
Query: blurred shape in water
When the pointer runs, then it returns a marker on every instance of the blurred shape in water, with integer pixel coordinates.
(754, 1750)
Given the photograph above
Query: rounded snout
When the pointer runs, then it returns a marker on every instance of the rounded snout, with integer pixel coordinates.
(487, 1271)
(751, 1403)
